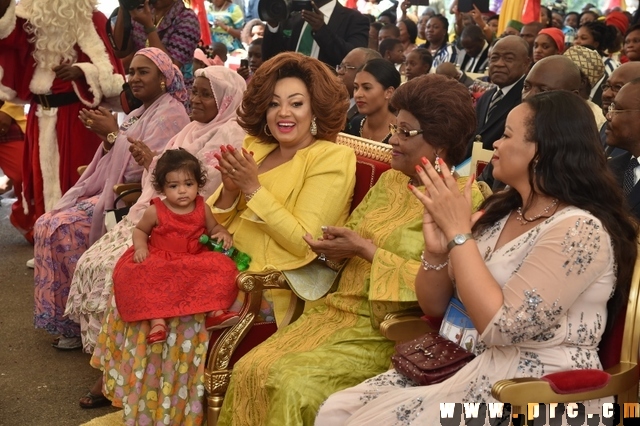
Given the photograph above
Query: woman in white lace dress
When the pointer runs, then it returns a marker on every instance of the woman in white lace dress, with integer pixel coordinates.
(539, 272)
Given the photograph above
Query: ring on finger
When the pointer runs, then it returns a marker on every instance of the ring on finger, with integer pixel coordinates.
(232, 171)
(89, 122)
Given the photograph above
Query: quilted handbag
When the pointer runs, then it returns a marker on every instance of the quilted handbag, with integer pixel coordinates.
(430, 359)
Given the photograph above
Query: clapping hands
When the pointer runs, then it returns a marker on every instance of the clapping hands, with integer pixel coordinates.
(238, 169)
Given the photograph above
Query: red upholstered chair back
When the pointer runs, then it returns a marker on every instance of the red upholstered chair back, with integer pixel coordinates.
(621, 343)
(610, 346)
(373, 158)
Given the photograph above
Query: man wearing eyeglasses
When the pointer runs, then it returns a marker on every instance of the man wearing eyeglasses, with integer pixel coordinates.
(610, 88)
(623, 131)
(347, 72)
(327, 32)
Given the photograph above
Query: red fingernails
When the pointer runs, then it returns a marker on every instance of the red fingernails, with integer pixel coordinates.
(424, 160)
(218, 157)
(218, 168)
(418, 168)
(222, 148)
(410, 187)
(230, 148)
(440, 160)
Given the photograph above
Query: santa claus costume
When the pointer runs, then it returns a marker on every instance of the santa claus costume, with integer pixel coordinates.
(36, 36)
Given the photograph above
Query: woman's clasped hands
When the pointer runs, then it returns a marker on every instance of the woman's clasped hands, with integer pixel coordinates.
(447, 212)
(100, 121)
(238, 169)
(337, 244)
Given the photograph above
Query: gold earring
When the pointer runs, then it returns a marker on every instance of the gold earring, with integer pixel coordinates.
(314, 127)
(266, 130)
(163, 86)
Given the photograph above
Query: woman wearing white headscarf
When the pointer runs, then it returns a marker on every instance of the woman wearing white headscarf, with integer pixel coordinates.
(121, 351)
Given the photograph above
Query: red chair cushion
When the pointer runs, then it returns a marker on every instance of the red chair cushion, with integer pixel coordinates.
(575, 381)
(480, 165)
(367, 173)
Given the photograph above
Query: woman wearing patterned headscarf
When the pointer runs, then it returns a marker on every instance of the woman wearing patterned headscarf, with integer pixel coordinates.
(592, 69)
(216, 94)
(62, 235)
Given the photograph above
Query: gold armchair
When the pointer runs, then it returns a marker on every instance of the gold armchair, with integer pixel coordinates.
(227, 346)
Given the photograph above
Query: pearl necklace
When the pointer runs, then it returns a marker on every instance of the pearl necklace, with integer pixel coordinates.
(524, 221)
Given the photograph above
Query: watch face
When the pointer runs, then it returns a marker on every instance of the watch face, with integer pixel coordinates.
(459, 239)
(111, 137)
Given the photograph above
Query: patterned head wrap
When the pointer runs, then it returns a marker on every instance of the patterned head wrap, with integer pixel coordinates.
(556, 35)
(175, 81)
(589, 62)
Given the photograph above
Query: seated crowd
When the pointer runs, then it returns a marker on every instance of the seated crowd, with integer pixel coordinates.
(244, 152)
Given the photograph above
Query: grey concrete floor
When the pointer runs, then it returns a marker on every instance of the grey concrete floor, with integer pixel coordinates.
(39, 385)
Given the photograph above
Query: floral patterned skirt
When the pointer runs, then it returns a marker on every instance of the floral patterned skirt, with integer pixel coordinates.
(60, 238)
(158, 384)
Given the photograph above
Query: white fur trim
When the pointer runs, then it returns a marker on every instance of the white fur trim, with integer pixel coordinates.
(90, 72)
(6, 93)
(49, 156)
(8, 21)
(110, 82)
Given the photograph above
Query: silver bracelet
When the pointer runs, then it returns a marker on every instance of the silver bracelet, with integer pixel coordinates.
(428, 267)
(248, 197)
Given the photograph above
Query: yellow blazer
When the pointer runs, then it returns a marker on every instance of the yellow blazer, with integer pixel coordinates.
(313, 189)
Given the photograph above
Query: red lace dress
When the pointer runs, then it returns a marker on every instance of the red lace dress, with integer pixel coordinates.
(180, 276)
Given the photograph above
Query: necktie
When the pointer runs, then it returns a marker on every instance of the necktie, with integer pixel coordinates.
(629, 176)
(497, 97)
(306, 41)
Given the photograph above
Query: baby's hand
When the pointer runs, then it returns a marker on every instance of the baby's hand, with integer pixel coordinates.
(225, 237)
(140, 255)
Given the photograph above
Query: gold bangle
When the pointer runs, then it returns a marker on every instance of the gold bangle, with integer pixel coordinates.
(248, 197)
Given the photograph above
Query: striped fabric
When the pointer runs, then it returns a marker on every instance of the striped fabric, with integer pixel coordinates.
(179, 31)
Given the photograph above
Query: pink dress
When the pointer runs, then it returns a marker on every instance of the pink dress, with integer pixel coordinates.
(180, 276)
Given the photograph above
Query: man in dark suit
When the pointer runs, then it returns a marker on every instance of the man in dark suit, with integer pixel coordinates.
(618, 78)
(623, 131)
(555, 72)
(508, 64)
(475, 50)
(328, 32)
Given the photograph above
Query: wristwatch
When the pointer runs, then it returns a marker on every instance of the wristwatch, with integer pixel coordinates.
(111, 137)
(458, 240)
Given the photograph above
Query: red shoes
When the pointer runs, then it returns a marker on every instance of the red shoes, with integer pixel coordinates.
(159, 336)
(227, 319)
